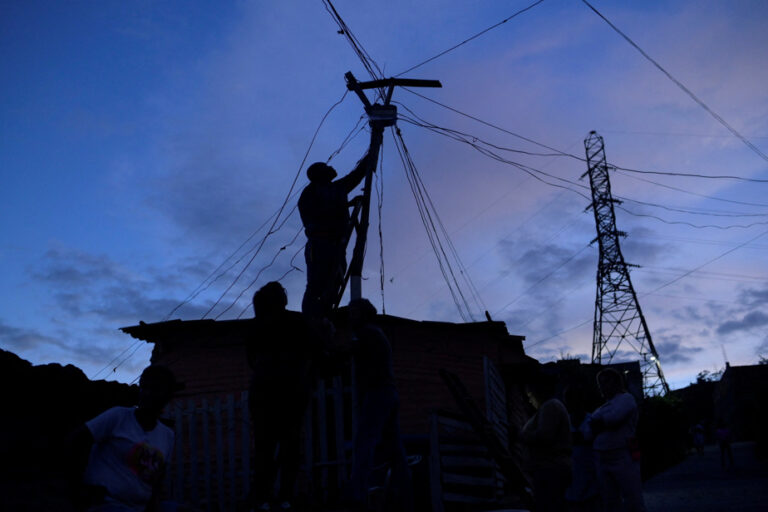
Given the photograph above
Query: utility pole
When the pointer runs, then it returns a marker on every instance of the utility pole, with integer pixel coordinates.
(619, 322)
(386, 115)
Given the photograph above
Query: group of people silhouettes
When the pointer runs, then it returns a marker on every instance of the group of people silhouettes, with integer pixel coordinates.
(282, 361)
(121, 454)
(581, 461)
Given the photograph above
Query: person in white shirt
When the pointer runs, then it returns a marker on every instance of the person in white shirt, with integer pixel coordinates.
(122, 454)
(613, 425)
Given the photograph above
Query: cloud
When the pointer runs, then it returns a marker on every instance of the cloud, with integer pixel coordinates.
(16, 338)
(639, 247)
(548, 265)
(762, 349)
(76, 268)
(672, 351)
(82, 284)
(753, 297)
(749, 321)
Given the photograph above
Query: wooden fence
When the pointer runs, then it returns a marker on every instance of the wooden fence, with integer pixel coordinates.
(211, 465)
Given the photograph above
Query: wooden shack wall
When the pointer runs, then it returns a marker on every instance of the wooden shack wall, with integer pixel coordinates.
(420, 349)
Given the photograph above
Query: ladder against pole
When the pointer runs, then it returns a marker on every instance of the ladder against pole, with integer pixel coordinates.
(381, 115)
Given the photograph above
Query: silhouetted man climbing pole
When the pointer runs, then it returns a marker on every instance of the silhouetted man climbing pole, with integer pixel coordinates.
(324, 210)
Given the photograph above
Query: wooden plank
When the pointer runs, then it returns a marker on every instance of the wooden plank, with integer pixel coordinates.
(498, 399)
(217, 421)
(463, 437)
(230, 406)
(338, 409)
(450, 461)
(435, 484)
(465, 449)
(353, 393)
(464, 498)
(452, 423)
(487, 385)
(322, 434)
(206, 455)
(178, 491)
(500, 395)
(481, 481)
(193, 476)
(309, 455)
(246, 452)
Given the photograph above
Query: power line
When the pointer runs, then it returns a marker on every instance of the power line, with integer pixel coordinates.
(121, 363)
(677, 82)
(207, 282)
(579, 158)
(690, 224)
(261, 270)
(533, 172)
(558, 334)
(712, 276)
(282, 207)
(700, 241)
(547, 276)
(708, 213)
(689, 272)
(675, 134)
(429, 227)
(521, 11)
(462, 269)
(479, 145)
(491, 125)
(380, 199)
(475, 138)
(118, 356)
(677, 189)
(292, 268)
(691, 175)
(423, 205)
(357, 47)
(354, 132)
(676, 279)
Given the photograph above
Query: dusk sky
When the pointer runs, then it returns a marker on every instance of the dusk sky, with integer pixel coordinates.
(142, 142)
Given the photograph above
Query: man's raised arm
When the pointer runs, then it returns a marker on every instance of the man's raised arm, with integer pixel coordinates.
(353, 179)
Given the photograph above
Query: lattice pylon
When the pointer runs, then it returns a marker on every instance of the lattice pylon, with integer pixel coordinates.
(619, 322)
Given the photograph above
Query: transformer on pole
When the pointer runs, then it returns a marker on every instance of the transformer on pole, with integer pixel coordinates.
(619, 322)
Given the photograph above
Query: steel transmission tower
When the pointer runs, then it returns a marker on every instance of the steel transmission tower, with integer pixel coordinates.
(619, 321)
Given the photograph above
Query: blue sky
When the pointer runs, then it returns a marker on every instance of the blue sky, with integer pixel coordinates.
(142, 142)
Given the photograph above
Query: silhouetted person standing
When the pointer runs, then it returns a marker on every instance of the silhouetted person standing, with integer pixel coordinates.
(377, 425)
(280, 356)
(613, 425)
(724, 435)
(583, 494)
(324, 211)
(546, 438)
(121, 455)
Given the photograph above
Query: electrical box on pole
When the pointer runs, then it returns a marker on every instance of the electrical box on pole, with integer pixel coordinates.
(384, 114)
(619, 322)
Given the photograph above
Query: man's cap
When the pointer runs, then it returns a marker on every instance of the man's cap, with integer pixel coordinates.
(320, 171)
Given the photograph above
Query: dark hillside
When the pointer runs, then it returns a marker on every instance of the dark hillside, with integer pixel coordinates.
(41, 406)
